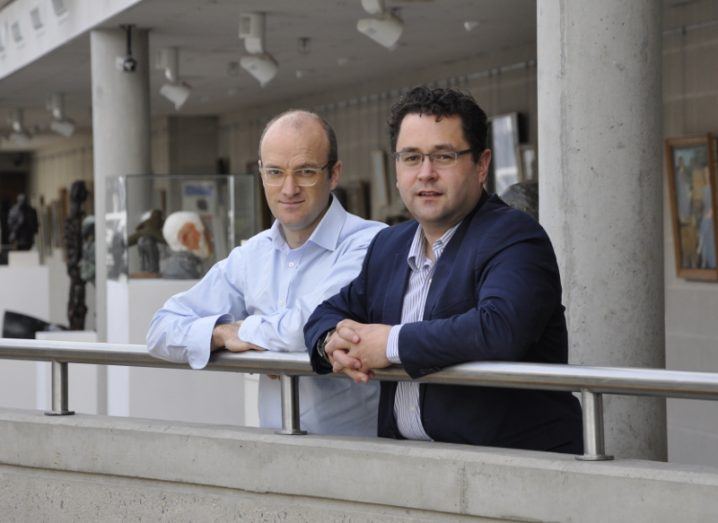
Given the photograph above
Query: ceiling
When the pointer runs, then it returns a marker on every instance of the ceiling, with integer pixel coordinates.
(206, 33)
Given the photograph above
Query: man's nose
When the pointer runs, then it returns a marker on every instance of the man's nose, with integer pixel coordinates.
(426, 169)
(289, 185)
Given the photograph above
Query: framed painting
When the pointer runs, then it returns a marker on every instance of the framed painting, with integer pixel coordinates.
(691, 170)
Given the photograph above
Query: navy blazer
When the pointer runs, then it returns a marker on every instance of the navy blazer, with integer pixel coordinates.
(495, 296)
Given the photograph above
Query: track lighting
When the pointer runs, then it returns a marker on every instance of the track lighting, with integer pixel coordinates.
(259, 63)
(383, 27)
(60, 124)
(19, 135)
(174, 90)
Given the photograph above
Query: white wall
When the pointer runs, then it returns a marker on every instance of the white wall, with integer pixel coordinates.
(690, 102)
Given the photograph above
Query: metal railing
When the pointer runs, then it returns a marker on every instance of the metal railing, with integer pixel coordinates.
(591, 382)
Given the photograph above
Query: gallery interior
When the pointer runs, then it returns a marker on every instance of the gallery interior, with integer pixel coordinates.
(118, 117)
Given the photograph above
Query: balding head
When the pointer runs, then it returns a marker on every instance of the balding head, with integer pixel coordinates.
(299, 119)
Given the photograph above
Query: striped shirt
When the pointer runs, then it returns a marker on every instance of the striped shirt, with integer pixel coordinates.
(406, 403)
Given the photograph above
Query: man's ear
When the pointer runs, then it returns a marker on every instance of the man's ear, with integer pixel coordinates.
(482, 166)
(335, 175)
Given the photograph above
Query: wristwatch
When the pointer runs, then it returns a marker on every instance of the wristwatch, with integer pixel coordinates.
(322, 344)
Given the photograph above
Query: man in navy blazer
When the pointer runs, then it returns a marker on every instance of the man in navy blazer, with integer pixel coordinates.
(470, 279)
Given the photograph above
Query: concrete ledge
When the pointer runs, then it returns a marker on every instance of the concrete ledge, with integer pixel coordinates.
(42, 495)
(448, 479)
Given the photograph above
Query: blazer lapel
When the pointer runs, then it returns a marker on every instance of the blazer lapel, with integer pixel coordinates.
(394, 293)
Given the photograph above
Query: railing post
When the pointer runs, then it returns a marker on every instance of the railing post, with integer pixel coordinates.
(59, 390)
(290, 406)
(594, 446)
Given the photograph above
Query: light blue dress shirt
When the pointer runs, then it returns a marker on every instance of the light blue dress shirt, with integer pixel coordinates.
(273, 289)
(407, 409)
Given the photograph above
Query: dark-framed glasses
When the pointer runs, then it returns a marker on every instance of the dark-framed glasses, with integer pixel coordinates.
(414, 159)
(303, 176)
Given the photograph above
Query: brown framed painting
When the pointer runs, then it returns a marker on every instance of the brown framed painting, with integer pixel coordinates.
(691, 170)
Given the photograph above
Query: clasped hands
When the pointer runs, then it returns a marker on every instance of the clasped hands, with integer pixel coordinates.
(357, 348)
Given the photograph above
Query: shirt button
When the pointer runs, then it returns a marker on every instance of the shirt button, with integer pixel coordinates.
(291, 264)
(281, 303)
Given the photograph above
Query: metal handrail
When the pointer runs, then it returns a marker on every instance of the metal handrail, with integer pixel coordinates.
(592, 382)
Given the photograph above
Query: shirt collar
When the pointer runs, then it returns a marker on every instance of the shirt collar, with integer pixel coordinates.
(325, 234)
(416, 257)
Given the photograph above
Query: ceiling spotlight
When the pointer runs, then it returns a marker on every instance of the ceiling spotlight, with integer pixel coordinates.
(19, 135)
(262, 66)
(384, 30)
(470, 25)
(174, 90)
(176, 93)
(259, 63)
(60, 123)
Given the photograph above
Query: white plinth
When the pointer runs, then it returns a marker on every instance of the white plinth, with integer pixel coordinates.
(183, 395)
(23, 259)
(87, 383)
(25, 290)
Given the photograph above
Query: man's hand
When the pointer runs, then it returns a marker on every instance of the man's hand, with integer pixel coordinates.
(357, 348)
(226, 336)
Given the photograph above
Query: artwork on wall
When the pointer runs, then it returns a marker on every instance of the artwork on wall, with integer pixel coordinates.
(691, 171)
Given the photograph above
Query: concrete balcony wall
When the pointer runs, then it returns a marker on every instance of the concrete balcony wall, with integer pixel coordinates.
(98, 468)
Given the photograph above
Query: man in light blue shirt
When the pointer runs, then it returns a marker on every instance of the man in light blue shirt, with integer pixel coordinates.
(261, 295)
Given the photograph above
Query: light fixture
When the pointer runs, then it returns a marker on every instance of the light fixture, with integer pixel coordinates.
(19, 135)
(383, 27)
(259, 63)
(262, 66)
(175, 90)
(16, 32)
(60, 124)
(59, 7)
(470, 25)
(384, 30)
(36, 18)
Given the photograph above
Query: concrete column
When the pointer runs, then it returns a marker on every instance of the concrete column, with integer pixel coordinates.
(121, 132)
(600, 182)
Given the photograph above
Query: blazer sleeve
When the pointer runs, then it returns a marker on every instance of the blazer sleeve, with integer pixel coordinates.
(518, 291)
(349, 303)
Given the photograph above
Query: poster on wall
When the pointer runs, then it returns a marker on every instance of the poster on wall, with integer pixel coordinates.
(691, 171)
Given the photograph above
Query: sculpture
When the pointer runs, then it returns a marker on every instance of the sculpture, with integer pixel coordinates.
(147, 236)
(187, 239)
(22, 224)
(76, 308)
(87, 264)
(524, 197)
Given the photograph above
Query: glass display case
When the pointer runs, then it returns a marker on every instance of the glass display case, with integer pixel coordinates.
(176, 226)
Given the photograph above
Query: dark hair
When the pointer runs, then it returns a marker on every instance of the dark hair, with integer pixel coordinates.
(333, 156)
(440, 103)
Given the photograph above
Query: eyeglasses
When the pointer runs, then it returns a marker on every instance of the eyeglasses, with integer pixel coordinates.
(303, 177)
(440, 159)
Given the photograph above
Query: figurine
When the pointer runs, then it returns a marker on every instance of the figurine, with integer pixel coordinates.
(146, 236)
(187, 239)
(87, 264)
(22, 224)
(76, 308)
